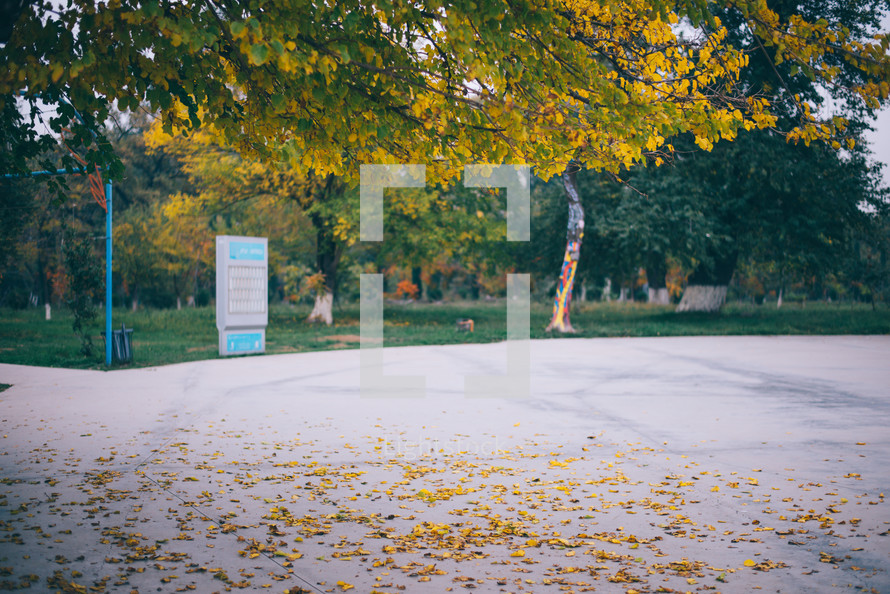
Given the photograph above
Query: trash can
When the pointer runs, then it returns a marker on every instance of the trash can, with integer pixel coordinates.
(122, 345)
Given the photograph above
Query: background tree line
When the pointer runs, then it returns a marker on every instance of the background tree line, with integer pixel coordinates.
(797, 222)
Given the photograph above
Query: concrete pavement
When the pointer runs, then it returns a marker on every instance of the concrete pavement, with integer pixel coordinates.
(722, 463)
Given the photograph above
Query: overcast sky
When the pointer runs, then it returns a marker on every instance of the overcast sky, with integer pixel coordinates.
(880, 138)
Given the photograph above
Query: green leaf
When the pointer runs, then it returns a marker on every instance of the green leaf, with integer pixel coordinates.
(258, 54)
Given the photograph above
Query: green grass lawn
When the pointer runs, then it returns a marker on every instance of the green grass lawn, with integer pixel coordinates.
(162, 337)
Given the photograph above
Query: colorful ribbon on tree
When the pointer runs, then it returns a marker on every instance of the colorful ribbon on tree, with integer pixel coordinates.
(564, 289)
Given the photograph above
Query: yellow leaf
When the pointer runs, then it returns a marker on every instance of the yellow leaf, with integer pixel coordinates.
(749, 563)
(519, 553)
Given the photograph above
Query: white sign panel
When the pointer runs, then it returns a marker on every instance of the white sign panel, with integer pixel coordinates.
(242, 299)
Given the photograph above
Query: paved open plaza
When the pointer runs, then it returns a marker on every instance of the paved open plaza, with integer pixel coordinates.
(650, 465)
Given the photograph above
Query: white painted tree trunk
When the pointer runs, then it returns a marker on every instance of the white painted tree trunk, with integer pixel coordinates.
(660, 296)
(178, 303)
(622, 295)
(607, 290)
(49, 311)
(779, 300)
(323, 309)
(707, 298)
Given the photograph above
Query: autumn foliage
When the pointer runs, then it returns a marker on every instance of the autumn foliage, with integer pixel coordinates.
(328, 86)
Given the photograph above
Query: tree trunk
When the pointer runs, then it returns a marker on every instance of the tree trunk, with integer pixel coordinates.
(437, 284)
(323, 311)
(43, 280)
(417, 281)
(178, 303)
(194, 284)
(656, 271)
(607, 290)
(781, 286)
(327, 258)
(707, 298)
(660, 296)
(575, 232)
(706, 289)
(473, 281)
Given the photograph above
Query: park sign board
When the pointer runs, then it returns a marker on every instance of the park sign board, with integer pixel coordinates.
(242, 294)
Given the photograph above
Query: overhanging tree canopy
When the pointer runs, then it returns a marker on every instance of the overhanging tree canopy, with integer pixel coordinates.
(330, 85)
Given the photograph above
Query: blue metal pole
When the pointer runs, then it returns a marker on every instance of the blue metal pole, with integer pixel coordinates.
(36, 173)
(108, 273)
